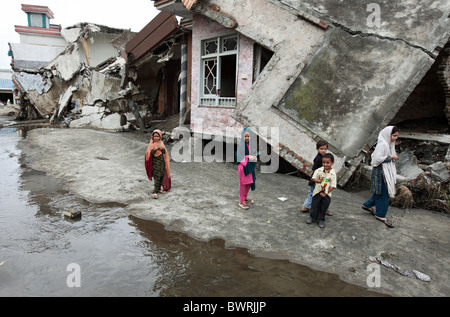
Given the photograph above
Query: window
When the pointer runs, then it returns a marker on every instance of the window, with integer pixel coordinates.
(37, 20)
(261, 57)
(219, 65)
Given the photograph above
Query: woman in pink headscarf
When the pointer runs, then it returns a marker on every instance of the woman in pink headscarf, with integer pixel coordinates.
(157, 164)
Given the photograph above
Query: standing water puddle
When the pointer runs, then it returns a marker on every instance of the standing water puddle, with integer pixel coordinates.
(120, 255)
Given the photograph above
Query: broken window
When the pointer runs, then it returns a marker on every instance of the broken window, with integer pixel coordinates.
(261, 57)
(219, 65)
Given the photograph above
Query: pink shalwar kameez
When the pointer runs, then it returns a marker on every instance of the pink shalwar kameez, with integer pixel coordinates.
(245, 181)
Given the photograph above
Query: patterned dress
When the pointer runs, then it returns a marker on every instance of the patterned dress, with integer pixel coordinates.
(378, 178)
(159, 168)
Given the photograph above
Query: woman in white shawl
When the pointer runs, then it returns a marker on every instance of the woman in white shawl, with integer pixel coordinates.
(383, 174)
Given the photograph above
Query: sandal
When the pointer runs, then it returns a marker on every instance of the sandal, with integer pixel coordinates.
(155, 196)
(249, 201)
(243, 205)
(329, 213)
(162, 191)
(386, 222)
(304, 209)
(368, 209)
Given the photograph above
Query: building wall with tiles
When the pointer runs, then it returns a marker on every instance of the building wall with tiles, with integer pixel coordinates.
(213, 120)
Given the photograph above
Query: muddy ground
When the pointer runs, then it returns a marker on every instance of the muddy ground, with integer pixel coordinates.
(203, 203)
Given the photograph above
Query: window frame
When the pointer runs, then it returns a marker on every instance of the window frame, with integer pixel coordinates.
(215, 100)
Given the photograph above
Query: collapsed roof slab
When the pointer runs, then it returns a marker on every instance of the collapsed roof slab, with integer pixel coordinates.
(324, 80)
(351, 87)
(421, 24)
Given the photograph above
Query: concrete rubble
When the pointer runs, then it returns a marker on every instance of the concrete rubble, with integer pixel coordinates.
(81, 86)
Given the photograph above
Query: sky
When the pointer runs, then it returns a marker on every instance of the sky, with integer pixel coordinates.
(133, 15)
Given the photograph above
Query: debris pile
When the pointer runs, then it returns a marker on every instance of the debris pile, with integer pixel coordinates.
(81, 86)
(8, 109)
(427, 191)
(423, 172)
(386, 260)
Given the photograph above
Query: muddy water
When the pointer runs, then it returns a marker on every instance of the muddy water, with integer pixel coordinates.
(119, 255)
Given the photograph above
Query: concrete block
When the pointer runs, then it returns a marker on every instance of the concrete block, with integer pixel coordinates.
(72, 214)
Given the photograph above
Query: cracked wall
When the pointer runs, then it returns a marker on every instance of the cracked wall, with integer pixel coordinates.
(420, 24)
(332, 76)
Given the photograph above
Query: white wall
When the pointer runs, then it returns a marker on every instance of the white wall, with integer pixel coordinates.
(100, 48)
(43, 40)
(5, 74)
(38, 53)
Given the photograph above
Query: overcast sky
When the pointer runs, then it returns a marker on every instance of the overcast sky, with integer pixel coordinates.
(132, 14)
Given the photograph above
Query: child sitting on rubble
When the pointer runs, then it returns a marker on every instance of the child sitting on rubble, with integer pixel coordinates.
(325, 181)
(322, 148)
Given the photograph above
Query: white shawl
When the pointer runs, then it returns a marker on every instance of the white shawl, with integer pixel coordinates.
(384, 149)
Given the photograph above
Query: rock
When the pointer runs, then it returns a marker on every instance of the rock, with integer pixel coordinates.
(407, 166)
(73, 214)
(421, 276)
(440, 172)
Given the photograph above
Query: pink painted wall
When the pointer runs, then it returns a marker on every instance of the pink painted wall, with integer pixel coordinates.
(212, 119)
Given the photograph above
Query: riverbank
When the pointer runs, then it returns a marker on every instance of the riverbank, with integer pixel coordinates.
(203, 203)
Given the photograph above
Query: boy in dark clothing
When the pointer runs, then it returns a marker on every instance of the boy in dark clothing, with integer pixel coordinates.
(322, 148)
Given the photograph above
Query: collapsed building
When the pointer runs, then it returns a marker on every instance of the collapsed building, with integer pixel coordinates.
(333, 70)
(156, 74)
(83, 81)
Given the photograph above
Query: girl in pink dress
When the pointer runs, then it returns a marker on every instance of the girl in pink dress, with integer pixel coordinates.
(246, 160)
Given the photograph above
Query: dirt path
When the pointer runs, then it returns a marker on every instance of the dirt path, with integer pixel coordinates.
(109, 167)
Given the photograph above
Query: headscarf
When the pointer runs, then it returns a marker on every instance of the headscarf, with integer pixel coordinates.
(244, 150)
(384, 149)
(158, 152)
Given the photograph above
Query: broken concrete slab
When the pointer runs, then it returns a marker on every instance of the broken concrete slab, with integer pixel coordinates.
(407, 168)
(351, 86)
(421, 24)
(72, 214)
(36, 81)
(441, 138)
(71, 34)
(68, 63)
(440, 171)
(65, 100)
(103, 88)
(39, 89)
(346, 83)
(99, 117)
